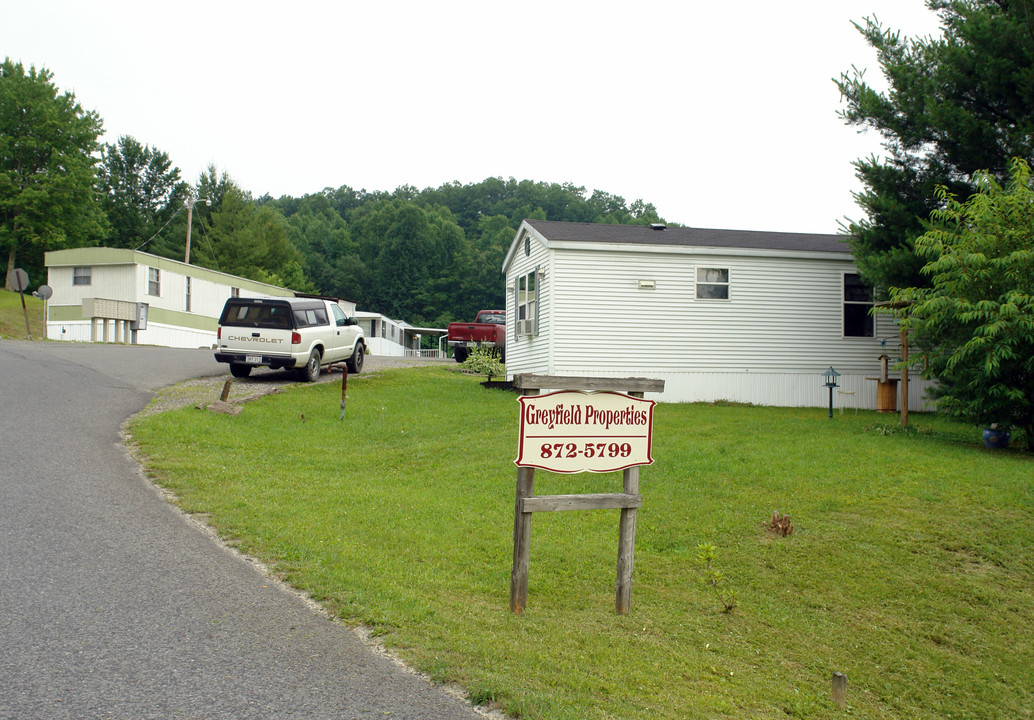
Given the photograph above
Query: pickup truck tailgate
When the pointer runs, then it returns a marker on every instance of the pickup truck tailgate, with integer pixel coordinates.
(257, 341)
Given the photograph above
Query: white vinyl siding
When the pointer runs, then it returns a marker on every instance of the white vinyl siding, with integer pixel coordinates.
(529, 351)
(769, 323)
(116, 280)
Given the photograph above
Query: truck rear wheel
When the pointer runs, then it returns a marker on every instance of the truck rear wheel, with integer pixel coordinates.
(355, 363)
(460, 354)
(311, 371)
(240, 370)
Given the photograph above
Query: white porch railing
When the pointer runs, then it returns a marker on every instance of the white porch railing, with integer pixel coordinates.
(432, 354)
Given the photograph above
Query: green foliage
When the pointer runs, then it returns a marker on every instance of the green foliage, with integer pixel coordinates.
(713, 577)
(48, 177)
(426, 256)
(324, 240)
(249, 240)
(957, 104)
(975, 324)
(412, 255)
(484, 361)
(142, 191)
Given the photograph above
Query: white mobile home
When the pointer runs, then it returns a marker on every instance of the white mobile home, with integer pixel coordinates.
(388, 337)
(753, 317)
(117, 295)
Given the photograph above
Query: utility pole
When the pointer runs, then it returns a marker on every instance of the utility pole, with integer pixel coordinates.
(189, 202)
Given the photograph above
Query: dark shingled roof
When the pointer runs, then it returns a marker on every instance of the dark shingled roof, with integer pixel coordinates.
(648, 235)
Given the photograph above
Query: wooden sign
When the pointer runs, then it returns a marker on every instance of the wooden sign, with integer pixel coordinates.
(588, 426)
(573, 431)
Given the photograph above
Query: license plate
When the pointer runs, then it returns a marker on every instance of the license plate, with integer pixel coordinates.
(253, 359)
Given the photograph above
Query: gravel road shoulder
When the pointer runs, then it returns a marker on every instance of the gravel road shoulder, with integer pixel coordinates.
(262, 381)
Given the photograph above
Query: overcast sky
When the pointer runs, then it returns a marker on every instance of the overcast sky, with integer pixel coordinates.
(721, 114)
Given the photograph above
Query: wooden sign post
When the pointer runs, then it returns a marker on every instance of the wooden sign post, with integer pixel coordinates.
(587, 426)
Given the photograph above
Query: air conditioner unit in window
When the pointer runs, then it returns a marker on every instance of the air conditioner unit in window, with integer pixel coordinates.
(525, 327)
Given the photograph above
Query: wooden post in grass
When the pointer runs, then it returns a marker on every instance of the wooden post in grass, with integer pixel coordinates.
(588, 425)
(840, 690)
(344, 389)
(521, 541)
(904, 377)
(626, 542)
(225, 395)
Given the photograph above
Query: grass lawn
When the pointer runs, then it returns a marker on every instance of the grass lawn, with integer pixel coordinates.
(910, 568)
(12, 317)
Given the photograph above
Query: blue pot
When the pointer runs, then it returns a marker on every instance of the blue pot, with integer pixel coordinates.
(996, 439)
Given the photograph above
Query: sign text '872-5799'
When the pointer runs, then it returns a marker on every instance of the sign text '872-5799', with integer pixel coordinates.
(574, 431)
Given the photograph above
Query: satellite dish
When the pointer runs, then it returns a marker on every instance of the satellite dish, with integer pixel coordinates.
(45, 291)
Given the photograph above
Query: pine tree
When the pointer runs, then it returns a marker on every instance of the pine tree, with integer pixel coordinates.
(957, 104)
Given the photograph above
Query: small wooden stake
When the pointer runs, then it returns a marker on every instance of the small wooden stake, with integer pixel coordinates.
(224, 396)
(344, 389)
(840, 690)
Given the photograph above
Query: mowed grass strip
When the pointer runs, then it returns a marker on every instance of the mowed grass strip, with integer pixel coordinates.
(909, 569)
(12, 315)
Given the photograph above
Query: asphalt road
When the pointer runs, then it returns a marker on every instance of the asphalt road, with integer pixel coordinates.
(114, 605)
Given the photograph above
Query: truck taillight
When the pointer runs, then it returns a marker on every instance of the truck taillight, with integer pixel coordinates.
(219, 333)
(296, 338)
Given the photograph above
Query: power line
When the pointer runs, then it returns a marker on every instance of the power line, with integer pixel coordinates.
(159, 230)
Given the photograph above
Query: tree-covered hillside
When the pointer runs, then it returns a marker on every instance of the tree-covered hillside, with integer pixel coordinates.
(433, 255)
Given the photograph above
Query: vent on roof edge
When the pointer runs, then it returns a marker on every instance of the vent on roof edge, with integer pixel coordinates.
(658, 226)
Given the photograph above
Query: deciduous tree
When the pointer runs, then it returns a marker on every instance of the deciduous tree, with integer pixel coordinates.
(250, 241)
(48, 178)
(142, 190)
(975, 322)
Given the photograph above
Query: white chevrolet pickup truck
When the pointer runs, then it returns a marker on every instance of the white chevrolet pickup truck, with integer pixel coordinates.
(303, 334)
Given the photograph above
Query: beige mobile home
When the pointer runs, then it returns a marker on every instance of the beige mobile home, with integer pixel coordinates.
(126, 296)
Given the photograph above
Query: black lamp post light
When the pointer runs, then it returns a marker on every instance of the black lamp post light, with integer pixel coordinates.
(831, 376)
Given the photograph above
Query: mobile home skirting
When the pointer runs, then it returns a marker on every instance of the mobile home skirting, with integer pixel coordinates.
(779, 389)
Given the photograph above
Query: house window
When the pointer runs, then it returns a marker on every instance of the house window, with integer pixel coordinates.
(81, 275)
(154, 282)
(187, 297)
(713, 283)
(858, 302)
(527, 304)
(235, 292)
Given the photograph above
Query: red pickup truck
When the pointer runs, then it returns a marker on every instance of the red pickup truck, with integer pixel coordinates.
(488, 330)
